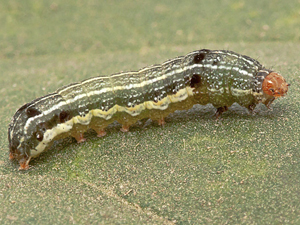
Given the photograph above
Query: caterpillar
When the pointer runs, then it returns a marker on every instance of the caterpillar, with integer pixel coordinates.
(219, 77)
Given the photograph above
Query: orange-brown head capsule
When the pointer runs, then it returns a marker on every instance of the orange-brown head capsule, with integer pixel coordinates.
(275, 85)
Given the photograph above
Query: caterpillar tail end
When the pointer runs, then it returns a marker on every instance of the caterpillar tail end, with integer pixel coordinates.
(22, 159)
(24, 163)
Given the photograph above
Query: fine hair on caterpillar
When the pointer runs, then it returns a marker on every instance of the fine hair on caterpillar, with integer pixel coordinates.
(204, 76)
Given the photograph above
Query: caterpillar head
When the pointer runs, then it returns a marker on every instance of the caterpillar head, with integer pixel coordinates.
(275, 85)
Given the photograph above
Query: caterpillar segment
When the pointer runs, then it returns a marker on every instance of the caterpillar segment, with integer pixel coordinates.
(201, 77)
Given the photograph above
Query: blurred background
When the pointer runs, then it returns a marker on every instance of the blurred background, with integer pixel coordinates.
(241, 169)
(39, 27)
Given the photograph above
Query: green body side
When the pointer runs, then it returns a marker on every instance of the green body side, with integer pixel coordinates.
(217, 77)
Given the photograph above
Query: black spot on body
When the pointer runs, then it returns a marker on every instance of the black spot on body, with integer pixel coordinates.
(39, 135)
(31, 112)
(195, 81)
(64, 116)
(245, 67)
(199, 57)
(215, 62)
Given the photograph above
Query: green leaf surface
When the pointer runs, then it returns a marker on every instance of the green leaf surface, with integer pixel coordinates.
(241, 169)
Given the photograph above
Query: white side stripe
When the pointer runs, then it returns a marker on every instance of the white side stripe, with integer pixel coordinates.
(129, 86)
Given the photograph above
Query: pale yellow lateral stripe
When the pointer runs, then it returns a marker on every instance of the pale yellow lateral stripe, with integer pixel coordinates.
(50, 134)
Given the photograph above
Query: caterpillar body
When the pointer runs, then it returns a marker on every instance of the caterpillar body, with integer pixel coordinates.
(204, 76)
